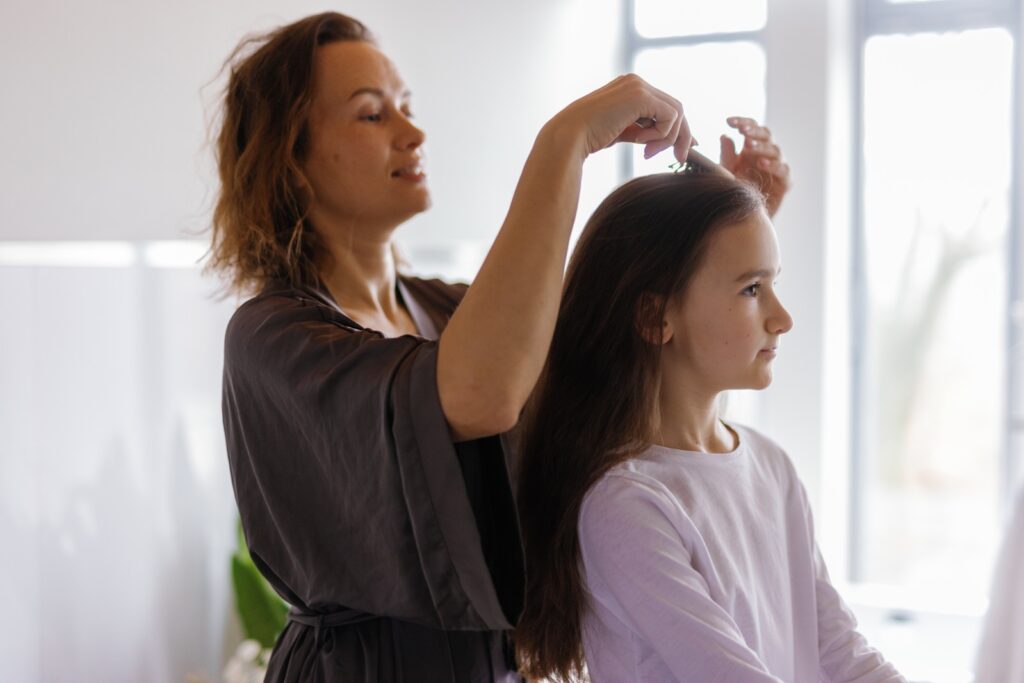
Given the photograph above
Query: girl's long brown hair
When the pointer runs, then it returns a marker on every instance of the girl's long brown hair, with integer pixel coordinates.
(260, 231)
(593, 404)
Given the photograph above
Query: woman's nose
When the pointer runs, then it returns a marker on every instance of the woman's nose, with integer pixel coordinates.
(410, 137)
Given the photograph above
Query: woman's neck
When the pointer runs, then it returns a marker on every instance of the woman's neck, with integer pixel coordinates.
(361, 274)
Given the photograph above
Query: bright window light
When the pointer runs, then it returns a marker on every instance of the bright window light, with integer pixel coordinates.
(713, 81)
(71, 254)
(937, 133)
(660, 18)
(174, 254)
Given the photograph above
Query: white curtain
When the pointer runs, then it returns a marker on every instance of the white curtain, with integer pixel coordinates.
(116, 511)
(1001, 654)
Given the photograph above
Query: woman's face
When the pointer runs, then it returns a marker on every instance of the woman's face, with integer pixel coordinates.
(364, 158)
(724, 330)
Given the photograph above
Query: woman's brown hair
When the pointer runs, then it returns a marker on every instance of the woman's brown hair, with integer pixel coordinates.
(593, 405)
(260, 231)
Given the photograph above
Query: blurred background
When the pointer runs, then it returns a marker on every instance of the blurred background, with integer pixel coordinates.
(898, 394)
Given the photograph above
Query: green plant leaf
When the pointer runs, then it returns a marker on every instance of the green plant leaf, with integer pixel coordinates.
(261, 610)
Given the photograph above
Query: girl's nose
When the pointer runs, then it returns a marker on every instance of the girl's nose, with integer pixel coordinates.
(781, 321)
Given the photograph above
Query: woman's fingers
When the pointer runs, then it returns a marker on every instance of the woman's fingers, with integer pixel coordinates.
(631, 110)
(678, 136)
(672, 130)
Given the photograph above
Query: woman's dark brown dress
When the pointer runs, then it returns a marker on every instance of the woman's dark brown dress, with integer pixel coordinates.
(398, 548)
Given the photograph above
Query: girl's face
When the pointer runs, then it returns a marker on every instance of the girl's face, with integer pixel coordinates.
(723, 332)
(364, 161)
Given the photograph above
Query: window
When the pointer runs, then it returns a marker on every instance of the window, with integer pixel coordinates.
(935, 274)
(932, 292)
(690, 49)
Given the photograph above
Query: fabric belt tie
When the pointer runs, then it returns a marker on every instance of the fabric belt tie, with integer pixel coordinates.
(324, 624)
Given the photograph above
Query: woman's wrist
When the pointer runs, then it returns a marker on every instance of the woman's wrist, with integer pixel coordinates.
(563, 136)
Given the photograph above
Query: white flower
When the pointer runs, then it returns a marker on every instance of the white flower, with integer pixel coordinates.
(248, 665)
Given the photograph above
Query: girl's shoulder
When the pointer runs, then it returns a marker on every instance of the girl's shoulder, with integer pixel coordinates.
(625, 492)
(762, 446)
(769, 456)
(660, 472)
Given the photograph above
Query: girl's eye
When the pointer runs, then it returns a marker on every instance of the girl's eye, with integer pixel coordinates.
(408, 114)
(752, 290)
(371, 117)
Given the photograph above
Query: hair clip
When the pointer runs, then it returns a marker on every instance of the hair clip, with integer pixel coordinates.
(698, 164)
(686, 168)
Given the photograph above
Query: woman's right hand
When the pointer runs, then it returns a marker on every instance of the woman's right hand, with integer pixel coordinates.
(610, 114)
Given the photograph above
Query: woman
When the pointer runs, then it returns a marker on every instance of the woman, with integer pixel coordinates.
(362, 407)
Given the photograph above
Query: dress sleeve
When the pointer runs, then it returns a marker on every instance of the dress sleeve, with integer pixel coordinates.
(349, 486)
(843, 652)
(637, 562)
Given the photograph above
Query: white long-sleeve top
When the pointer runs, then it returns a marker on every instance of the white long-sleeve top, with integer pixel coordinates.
(703, 568)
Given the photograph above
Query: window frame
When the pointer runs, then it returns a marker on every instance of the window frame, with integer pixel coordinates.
(634, 43)
(879, 18)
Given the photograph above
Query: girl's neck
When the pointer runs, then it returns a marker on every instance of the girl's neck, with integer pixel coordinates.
(690, 422)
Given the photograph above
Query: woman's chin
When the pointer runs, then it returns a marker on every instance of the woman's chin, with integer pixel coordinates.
(421, 203)
(411, 208)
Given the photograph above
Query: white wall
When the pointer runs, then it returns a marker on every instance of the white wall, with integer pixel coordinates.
(102, 132)
(808, 43)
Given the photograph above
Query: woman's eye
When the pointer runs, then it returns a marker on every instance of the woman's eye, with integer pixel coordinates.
(752, 290)
(408, 114)
(371, 117)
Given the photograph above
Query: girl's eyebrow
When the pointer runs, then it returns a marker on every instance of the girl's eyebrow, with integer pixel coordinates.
(751, 274)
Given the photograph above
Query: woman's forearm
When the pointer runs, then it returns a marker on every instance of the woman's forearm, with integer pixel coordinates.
(492, 351)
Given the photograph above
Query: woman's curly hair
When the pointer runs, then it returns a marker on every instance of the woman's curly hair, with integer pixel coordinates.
(260, 230)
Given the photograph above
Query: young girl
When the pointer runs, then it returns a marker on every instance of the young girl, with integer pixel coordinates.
(663, 543)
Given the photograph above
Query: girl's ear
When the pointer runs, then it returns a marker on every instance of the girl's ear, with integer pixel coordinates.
(666, 332)
(650, 322)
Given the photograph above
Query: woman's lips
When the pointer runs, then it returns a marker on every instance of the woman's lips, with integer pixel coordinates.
(413, 172)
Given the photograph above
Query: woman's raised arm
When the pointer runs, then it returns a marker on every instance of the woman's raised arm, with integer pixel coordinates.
(493, 349)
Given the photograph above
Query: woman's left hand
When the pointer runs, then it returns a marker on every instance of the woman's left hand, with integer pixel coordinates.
(759, 162)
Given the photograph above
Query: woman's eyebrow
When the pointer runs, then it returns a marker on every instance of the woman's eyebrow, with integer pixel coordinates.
(763, 272)
(378, 92)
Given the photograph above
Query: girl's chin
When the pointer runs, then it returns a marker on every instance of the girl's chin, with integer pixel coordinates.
(761, 380)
